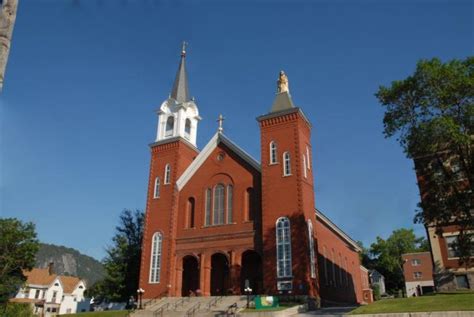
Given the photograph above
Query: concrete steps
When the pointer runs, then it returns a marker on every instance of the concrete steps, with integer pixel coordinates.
(202, 306)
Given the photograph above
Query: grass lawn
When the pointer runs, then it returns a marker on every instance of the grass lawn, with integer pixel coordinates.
(109, 313)
(438, 302)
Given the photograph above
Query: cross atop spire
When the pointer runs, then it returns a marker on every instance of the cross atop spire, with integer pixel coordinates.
(180, 91)
(221, 122)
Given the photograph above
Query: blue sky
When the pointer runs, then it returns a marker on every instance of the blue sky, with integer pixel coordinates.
(85, 76)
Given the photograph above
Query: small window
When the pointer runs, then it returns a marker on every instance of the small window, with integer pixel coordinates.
(286, 164)
(230, 202)
(167, 174)
(187, 129)
(325, 262)
(305, 170)
(208, 207)
(249, 204)
(37, 294)
(415, 262)
(156, 191)
(169, 126)
(273, 153)
(462, 281)
(417, 275)
(451, 244)
(191, 207)
(308, 159)
(312, 257)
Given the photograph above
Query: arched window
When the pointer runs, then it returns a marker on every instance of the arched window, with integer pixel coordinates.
(167, 174)
(187, 129)
(208, 207)
(273, 152)
(347, 272)
(169, 126)
(340, 268)
(218, 214)
(283, 245)
(230, 202)
(308, 158)
(249, 204)
(286, 164)
(156, 191)
(305, 172)
(312, 257)
(325, 256)
(155, 265)
(191, 208)
(334, 267)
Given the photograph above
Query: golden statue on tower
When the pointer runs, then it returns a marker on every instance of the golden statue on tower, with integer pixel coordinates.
(282, 83)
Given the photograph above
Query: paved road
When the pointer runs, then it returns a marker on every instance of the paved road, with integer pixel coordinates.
(328, 312)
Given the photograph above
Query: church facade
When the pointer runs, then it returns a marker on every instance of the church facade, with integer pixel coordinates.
(217, 220)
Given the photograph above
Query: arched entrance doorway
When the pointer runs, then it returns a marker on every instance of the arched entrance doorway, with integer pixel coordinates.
(251, 271)
(190, 275)
(219, 274)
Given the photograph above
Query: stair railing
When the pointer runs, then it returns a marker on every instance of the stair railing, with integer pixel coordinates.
(214, 302)
(159, 312)
(192, 311)
(231, 310)
(181, 302)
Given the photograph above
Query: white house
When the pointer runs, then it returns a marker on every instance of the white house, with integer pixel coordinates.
(377, 279)
(51, 294)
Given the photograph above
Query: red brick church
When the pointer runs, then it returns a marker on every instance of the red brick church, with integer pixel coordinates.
(217, 217)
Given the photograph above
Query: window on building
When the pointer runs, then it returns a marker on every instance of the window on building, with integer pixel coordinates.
(286, 164)
(218, 213)
(155, 265)
(283, 245)
(55, 293)
(169, 126)
(273, 153)
(37, 294)
(451, 244)
(305, 171)
(415, 262)
(308, 158)
(167, 174)
(230, 202)
(334, 268)
(187, 129)
(191, 210)
(462, 281)
(312, 257)
(340, 269)
(208, 207)
(156, 191)
(325, 255)
(417, 275)
(249, 202)
(346, 270)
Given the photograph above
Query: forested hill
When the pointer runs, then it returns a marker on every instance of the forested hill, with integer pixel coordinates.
(68, 261)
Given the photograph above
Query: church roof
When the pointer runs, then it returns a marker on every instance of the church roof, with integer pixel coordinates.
(342, 234)
(180, 91)
(207, 150)
(282, 102)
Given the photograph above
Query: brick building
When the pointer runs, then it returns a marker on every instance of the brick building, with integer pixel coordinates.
(217, 217)
(418, 273)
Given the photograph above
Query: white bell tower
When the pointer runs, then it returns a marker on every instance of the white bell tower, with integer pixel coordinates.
(179, 114)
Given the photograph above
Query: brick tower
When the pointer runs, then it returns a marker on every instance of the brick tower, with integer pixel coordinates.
(288, 210)
(171, 153)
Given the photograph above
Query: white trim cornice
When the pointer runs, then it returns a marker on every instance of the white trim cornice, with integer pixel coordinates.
(207, 150)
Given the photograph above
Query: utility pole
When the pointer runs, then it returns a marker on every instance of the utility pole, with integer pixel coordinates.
(7, 21)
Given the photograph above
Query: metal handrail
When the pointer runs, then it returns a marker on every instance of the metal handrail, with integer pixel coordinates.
(160, 310)
(192, 310)
(213, 302)
(180, 302)
(231, 310)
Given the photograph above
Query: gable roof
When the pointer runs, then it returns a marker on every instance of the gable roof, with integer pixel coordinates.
(207, 150)
(342, 234)
(69, 283)
(39, 277)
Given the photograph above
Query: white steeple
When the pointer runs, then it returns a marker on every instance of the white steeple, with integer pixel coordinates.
(179, 114)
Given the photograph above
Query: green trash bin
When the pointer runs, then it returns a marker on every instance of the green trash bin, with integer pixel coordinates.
(265, 302)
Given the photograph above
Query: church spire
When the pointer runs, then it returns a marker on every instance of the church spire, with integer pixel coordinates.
(180, 91)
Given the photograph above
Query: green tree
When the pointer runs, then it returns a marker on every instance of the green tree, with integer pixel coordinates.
(18, 247)
(122, 263)
(432, 115)
(387, 255)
